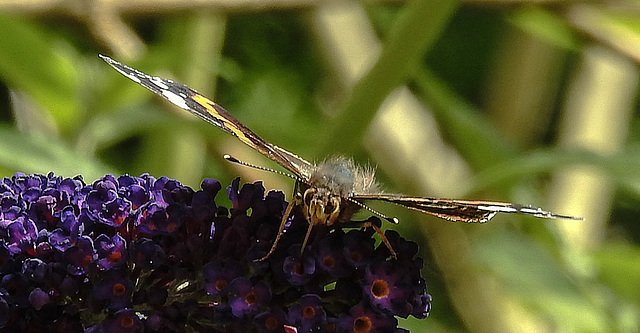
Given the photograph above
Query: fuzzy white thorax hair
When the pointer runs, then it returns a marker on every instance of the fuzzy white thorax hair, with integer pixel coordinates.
(341, 176)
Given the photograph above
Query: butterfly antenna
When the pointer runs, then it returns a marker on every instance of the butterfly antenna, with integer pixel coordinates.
(393, 220)
(243, 163)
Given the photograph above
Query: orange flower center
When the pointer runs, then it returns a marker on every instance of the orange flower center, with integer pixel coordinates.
(119, 220)
(379, 289)
(251, 298)
(115, 256)
(362, 325)
(329, 261)
(127, 322)
(271, 323)
(118, 289)
(309, 312)
(221, 284)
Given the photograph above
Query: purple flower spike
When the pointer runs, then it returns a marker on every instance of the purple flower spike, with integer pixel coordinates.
(248, 298)
(133, 254)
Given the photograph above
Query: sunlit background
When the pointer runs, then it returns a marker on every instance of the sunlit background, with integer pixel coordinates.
(523, 101)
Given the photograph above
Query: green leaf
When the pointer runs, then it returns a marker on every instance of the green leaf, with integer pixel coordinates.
(546, 26)
(38, 154)
(526, 269)
(417, 27)
(621, 168)
(463, 124)
(38, 63)
(620, 269)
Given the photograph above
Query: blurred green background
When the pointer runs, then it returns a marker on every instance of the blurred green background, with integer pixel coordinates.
(523, 101)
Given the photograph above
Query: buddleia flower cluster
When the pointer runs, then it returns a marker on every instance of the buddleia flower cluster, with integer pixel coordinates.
(140, 254)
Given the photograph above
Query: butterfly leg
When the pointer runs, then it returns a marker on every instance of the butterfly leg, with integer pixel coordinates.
(285, 216)
(374, 223)
(306, 238)
(384, 239)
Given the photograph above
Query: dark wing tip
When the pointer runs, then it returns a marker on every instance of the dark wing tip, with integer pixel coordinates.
(539, 212)
(565, 217)
(501, 207)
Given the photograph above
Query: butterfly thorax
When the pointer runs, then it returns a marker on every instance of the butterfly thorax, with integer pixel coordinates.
(331, 183)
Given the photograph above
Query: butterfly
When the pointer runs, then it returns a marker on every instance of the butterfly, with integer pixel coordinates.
(332, 191)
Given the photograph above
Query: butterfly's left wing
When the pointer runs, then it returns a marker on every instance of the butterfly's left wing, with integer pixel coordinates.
(211, 112)
(461, 210)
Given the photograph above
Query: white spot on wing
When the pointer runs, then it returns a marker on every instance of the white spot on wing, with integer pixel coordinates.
(134, 78)
(158, 82)
(175, 99)
(534, 211)
(505, 209)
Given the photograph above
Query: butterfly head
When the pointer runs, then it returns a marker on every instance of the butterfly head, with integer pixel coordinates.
(321, 206)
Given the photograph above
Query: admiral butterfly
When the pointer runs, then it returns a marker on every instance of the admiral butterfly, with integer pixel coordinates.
(329, 192)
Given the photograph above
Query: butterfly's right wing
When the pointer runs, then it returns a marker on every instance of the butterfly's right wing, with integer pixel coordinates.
(461, 210)
(216, 115)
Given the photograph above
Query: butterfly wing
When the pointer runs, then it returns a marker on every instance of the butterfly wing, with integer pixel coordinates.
(462, 210)
(216, 115)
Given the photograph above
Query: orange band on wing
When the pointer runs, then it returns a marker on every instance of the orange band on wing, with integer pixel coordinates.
(237, 131)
